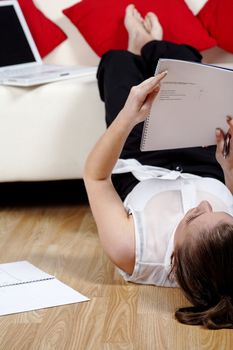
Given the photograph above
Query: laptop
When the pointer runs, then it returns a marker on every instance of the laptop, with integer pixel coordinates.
(20, 61)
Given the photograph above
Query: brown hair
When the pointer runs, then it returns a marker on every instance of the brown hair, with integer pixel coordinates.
(203, 267)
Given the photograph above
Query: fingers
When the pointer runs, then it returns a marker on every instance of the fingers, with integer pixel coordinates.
(219, 141)
(223, 140)
(148, 85)
(146, 106)
(230, 133)
(230, 123)
(141, 97)
(141, 92)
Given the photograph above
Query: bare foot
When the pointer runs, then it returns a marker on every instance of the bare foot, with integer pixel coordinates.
(138, 35)
(153, 26)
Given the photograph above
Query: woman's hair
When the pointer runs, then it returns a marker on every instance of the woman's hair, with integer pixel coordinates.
(203, 267)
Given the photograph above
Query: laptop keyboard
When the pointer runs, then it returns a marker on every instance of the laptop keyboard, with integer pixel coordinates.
(31, 71)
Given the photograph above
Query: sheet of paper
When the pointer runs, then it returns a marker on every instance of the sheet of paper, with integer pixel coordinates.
(20, 272)
(194, 100)
(28, 296)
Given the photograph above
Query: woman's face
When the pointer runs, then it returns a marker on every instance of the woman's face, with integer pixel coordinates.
(197, 219)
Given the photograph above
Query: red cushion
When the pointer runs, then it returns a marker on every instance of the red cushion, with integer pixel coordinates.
(46, 34)
(101, 23)
(217, 17)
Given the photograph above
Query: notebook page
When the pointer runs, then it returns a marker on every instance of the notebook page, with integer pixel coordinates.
(20, 272)
(193, 100)
(39, 295)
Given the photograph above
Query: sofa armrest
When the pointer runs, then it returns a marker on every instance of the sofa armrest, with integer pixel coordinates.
(47, 131)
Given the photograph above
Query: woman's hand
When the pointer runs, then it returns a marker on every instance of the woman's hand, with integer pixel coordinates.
(138, 104)
(107, 150)
(225, 159)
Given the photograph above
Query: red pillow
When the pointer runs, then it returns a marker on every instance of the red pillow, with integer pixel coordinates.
(46, 34)
(216, 16)
(101, 23)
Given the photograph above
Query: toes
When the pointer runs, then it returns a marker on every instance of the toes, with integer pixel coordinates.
(147, 24)
(153, 18)
(129, 9)
(137, 15)
(151, 15)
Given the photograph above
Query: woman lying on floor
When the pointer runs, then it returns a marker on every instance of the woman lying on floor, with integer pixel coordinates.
(157, 229)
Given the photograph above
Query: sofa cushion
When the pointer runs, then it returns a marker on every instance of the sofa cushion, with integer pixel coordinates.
(101, 23)
(46, 34)
(216, 17)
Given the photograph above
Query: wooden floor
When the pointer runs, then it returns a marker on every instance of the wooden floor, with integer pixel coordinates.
(61, 239)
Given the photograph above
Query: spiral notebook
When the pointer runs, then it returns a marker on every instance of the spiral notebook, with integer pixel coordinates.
(194, 99)
(24, 287)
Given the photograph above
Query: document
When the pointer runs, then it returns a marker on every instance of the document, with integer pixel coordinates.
(194, 99)
(24, 287)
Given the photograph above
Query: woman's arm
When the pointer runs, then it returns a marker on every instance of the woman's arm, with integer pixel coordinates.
(115, 226)
(227, 162)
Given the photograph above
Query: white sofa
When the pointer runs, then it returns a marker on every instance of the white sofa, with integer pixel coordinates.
(47, 131)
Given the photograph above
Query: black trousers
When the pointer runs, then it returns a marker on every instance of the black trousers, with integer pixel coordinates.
(118, 71)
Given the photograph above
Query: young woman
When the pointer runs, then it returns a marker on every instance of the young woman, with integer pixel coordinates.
(163, 217)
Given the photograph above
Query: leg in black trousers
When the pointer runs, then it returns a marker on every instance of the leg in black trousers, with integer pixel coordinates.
(118, 72)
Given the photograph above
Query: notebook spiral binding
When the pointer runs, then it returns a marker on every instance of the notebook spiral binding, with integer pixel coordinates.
(26, 282)
(146, 122)
(144, 134)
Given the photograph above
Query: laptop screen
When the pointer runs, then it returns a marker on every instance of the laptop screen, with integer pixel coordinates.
(14, 47)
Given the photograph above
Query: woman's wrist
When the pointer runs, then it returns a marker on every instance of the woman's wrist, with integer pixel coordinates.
(125, 121)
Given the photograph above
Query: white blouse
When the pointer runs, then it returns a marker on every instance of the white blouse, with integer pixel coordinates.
(157, 204)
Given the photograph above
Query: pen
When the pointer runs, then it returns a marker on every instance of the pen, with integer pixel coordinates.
(226, 146)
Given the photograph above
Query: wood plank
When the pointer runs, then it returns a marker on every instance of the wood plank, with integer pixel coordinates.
(62, 240)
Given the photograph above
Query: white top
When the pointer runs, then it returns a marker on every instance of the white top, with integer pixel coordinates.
(157, 204)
